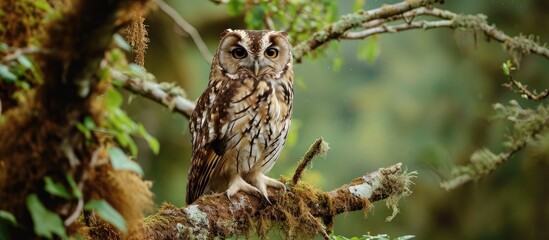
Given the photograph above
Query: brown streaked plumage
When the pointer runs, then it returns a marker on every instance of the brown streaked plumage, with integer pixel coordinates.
(241, 121)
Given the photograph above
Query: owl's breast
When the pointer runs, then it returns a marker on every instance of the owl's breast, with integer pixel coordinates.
(259, 126)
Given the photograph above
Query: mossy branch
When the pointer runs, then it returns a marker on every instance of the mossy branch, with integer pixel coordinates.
(145, 85)
(216, 216)
(528, 124)
(348, 22)
(375, 21)
(319, 147)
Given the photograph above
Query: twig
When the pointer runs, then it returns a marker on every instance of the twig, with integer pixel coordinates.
(398, 28)
(75, 214)
(21, 51)
(522, 89)
(321, 229)
(319, 147)
(170, 96)
(269, 22)
(188, 28)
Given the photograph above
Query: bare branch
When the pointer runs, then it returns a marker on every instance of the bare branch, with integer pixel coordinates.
(216, 216)
(168, 95)
(188, 28)
(516, 86)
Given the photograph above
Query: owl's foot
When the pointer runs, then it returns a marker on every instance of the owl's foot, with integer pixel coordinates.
(261, 182)
(238, 184)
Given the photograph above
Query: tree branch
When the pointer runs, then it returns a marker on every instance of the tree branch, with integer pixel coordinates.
(335, 30)
(517, 45)
(217, 216)
(186, 27)
(168, 95)
(517, 87)
(319, 147)
(528, 124)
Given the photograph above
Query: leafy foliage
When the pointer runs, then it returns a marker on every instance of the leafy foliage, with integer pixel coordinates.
(56, 189)
(18, 68)
(46, 222)
(120, 161)
(108, 213)
(298, 18)
(118, 123)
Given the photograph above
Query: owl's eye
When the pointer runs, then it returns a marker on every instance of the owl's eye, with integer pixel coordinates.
(271, 52)
(239, 53)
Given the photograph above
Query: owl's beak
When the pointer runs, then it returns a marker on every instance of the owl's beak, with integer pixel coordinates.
(256, 68)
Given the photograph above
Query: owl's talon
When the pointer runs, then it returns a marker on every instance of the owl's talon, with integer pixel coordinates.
(238, 184)
(260, 181)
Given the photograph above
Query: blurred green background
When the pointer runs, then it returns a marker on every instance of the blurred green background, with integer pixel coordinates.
(425, 101)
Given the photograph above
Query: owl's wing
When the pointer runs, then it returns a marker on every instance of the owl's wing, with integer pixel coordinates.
(204, 162)
(207, 140)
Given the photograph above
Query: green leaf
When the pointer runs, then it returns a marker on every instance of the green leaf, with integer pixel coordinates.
(368, 50)
(254, 18)
(84, 130)
(3, 47)
(337, 62)
(6, 75)
(23, 60)
(37, 76)
(113, 99)
(300, 82)
(120, 161)
(88, 122)
(56, 189)
(358, 5)
(506, 68)
(44, 5)
(74, 187)
(152, 141)
(234, 7)
(7, 217)
(121, 42)
(45, 222)
(22, 84)
(108, 213)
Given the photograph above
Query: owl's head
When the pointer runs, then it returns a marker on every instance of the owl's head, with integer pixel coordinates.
(254, 53)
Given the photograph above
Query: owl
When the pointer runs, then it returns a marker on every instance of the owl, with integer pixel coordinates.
(242, 119)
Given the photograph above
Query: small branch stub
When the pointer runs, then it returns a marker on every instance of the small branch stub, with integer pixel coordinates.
(319, 147)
